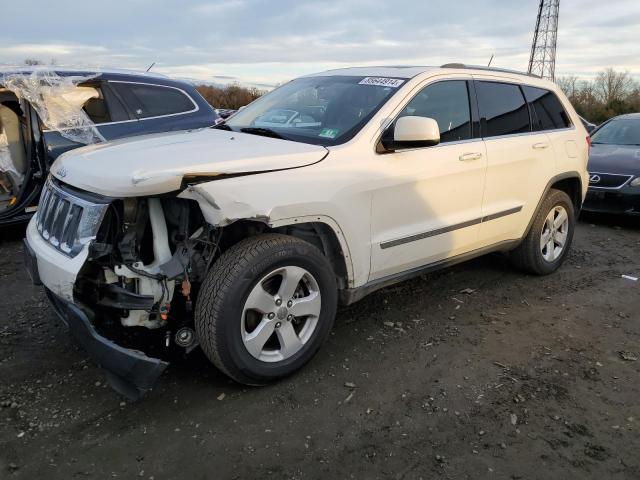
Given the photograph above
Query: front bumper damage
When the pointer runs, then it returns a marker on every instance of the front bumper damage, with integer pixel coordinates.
(130, 372)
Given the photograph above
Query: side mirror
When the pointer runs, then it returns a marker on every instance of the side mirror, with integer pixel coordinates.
(413, 132)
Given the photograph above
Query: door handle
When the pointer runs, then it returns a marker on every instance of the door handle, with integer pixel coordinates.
(468, 157)
(540, 146)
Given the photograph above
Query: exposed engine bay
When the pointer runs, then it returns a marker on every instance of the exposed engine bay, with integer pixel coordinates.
(145, 266)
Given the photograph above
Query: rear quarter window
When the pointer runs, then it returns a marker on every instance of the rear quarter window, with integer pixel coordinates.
(547, 112)
(153, 100)
(503, 109)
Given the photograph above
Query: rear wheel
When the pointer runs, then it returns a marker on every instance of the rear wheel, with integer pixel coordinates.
(265, 308)
(548, 242)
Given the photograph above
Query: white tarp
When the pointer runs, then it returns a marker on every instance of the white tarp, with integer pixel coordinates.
(58, 101)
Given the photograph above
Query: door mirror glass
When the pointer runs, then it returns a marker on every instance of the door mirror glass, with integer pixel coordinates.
(415, 132)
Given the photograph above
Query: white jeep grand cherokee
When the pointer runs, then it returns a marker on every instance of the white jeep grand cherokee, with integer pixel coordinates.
(244, 238)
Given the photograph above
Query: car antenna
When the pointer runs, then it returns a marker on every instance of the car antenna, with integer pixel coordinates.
(490, 60)
(150, 66)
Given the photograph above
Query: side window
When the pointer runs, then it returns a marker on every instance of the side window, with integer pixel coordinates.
(448, 104)
(152, 100)
(503, 110)
(91, 98)
(546, 109)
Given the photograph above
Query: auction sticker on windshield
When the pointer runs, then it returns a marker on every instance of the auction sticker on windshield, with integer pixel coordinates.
(381, 82)
(328, 133)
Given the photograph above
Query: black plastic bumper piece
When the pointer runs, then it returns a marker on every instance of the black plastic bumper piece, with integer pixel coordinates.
(131, 373)
(31, 262)
(117, 297)
(625, 201)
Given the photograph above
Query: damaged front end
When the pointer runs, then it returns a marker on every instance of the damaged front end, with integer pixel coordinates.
(140, 258)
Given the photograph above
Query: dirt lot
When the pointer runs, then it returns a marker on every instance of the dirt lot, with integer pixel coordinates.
(521, 378)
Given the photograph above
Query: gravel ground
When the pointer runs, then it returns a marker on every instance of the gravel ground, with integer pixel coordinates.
(473, 372)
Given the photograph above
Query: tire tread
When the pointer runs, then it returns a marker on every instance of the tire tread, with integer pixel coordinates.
(224, 273)
(526, 256)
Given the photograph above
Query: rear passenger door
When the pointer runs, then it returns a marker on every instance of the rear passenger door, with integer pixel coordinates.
(520, 161)
(549, 116)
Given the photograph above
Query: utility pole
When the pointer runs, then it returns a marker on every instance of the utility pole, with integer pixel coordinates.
(543, 51)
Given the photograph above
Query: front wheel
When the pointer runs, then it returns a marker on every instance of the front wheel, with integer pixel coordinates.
(265, 308)
(547, 244)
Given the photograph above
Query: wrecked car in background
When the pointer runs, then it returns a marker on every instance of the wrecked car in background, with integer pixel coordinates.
(45, 112)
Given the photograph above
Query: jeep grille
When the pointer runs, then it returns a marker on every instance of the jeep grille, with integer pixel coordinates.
(66, 221)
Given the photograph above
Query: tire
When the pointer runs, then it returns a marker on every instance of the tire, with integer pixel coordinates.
(531, 255)
(223, 314)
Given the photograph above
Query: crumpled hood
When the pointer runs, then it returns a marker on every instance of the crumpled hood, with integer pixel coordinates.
(618, 159)
(156, 164)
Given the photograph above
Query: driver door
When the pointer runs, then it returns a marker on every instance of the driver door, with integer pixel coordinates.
(428, 206)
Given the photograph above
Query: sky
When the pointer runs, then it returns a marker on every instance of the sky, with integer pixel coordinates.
(266, 42)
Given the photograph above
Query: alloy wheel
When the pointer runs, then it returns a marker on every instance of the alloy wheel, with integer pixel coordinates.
(280, 314)
(555, 232)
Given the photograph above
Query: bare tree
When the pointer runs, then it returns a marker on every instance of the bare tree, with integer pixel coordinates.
(231, 96)
(612, 86)
(611, 93)
(33, 61)
(570, 85)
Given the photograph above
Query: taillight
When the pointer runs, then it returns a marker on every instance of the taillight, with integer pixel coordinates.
(589, 143)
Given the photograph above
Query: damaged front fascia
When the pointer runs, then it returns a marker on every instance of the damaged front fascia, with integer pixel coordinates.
(222, 211)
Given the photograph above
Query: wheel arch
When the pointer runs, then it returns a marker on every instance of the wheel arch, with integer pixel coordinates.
(572, 186)
(568, 182)
(324, 233)
(321, 231)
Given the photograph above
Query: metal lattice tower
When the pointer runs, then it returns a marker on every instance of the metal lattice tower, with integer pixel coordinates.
(543, 51)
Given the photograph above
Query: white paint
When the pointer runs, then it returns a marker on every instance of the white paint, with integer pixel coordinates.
(412, 129)
(153, 164)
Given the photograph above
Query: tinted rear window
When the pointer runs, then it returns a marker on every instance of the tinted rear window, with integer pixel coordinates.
(503, 109)
(154, 101)
(547, 111)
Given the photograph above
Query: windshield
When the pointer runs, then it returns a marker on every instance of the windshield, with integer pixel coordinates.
(619, 132)
(319, 110)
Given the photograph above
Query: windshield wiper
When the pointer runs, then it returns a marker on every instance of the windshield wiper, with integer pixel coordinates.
(223, 126)
(265, 132)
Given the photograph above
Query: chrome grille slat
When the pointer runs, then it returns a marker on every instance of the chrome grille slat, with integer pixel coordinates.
(66, 242)
(59, 221)
(68, 222)
(44, 199)
(50, 215)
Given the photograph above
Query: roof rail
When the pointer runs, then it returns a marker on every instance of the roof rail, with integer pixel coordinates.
(488, 69)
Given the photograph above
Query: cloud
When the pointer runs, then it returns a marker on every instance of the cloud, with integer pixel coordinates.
(217, 7)
(268, 42)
